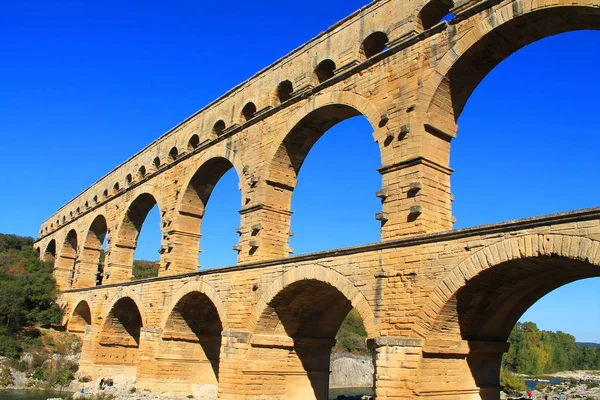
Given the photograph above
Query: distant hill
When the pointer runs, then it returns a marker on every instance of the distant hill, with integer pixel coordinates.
(587, 344)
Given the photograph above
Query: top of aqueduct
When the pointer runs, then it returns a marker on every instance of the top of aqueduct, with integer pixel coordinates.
(396, 62)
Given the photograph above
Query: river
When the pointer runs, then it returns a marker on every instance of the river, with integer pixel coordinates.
(27, 395)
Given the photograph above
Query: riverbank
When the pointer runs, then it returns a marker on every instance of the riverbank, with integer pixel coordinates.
(572, 384)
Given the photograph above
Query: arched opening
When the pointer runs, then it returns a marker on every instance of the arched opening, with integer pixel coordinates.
(129, 179)
(325, 70)
(193, 142)
(190, 344)
(173, 153)
(141, 212)
(527, 84)
(331, 186)
(95, 199)
(92, 259)
(66, 267)
(434, 12)
(116, 189)
(294, 338)
(80, 319)
(141, 173)
(284, 91)
(156, 163)
(374, 44)
(117, 352)
(216, 223)
(104, 194)
(50, 252)
(219, 127)
(482, 314)
(248, 111)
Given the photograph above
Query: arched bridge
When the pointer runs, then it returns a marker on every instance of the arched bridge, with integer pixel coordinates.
(437, 304)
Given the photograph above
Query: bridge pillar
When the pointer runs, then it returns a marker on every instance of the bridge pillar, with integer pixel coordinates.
(415, 193)
(460, 369)
(86, 277)
(88, 267)
(180, 252)
(120, 262)
(147, 371)
(264, 233)
(396, 361)
(63, 271)
(88, 350)
(233, 382)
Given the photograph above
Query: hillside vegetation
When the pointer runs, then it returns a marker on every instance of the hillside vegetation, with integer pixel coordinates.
(27, 293)
(536, 352)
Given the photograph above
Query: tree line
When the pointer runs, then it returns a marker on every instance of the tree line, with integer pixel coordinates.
(537, 352)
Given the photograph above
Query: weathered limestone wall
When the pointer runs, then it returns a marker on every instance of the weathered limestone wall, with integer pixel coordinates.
(437, 304)
(400, 289)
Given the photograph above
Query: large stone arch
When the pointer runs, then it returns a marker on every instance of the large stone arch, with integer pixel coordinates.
(49, 251)
(324, 275)
(91, 266)
(119, 338)
(282, 162)
(80, 318)
(570, 247)
(65, 265)
(207, 171)
(350, 104)
(469, 315)
(190, 340)
(199, 286)
(125, 243)
(505, 29)
(293, 327)
(123, 292)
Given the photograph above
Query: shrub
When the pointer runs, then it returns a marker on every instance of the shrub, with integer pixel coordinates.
(6, 377)
(511, 383)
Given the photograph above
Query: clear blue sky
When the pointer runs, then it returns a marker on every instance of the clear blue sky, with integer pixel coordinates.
(84, 85)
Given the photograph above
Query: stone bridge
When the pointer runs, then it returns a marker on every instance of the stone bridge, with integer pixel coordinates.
(438, 304)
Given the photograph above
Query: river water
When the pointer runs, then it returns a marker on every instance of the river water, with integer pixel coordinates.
(26, 395)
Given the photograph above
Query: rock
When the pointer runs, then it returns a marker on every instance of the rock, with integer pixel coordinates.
(351, 371)
(204, 392)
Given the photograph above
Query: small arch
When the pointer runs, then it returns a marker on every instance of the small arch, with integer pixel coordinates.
(434, 12)
(374, 44)
(129, 179)
(50, 252)
(64, 219)
(87, 204)
(78, 210)
(248, 111)
(141, 172)
(80, 319)
(128, 234)
(119, 338)
(65, 271)
(284, 91)
(156, 163)
(219, 127)
(193, 142)
(193, 332)
(70, 214)
(105, 194)
(116, 188)
(325, 70)
(173, 153)
(96, 199)
(52, 226)
(92, 265)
